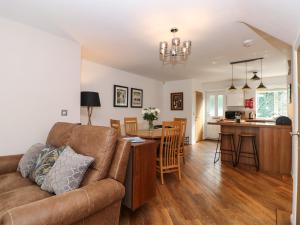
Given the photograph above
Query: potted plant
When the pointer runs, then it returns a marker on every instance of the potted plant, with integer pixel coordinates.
(150, 114)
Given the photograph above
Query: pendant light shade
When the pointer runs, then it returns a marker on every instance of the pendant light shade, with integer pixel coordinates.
(246, 86)
(255, 77)
(232, 87)
(261, 86)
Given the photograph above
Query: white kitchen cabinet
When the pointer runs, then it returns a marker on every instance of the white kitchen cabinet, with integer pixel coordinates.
(212, 131)
(235, 98)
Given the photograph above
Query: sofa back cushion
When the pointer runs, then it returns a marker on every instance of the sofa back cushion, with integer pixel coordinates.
(97, 142)
(60, 133)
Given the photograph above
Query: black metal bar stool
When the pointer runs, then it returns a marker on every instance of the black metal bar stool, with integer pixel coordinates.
(253, 154)
(228, 151)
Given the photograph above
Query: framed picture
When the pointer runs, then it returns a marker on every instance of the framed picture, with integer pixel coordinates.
(120, 96)
(177, 101)
(136, 98)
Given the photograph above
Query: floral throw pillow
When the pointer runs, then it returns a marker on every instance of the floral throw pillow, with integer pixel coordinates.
(28, 160)
(67, 172)
(44, 163)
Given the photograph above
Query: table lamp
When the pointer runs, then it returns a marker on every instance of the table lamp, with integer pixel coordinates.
(90, 99)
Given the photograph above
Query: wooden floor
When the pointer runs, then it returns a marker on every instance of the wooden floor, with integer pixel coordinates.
(213, 194)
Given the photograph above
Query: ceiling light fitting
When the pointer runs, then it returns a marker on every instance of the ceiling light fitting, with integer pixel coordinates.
(246, 86)
(261, 86)
(176, 53)
(232, 87)
(255, 77)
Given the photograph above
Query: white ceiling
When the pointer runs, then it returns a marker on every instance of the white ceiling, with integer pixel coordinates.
(125, 34)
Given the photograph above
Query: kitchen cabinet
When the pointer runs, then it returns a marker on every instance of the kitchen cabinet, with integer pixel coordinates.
(235, 99)
(212, 131)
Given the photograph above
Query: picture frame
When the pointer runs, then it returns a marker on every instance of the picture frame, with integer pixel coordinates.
(136, 100)
(120, 96)
(177, 101)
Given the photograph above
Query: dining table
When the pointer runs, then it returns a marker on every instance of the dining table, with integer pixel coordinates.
(154, 134)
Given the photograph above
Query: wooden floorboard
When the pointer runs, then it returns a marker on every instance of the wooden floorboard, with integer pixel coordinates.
(213, 194)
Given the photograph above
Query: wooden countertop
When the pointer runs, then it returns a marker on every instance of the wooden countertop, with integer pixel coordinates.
(249, 124)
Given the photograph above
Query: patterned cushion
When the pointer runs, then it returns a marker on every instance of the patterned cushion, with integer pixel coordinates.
(44, 163)
(28, 160)
(67, 172)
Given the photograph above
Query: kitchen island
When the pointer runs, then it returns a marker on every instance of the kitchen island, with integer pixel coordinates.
(273, 142)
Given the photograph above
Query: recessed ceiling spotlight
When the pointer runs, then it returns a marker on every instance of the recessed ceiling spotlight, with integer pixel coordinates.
(248, 43)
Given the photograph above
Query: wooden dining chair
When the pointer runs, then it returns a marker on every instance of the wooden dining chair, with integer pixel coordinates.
(117, 125)
(168, 160)
(130, 124)
(183, 122)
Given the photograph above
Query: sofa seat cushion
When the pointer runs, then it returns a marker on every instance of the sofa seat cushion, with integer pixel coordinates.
(21, 196)
(11, 181)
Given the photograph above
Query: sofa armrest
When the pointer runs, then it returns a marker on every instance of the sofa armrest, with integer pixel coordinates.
(67, 208)
(9, 163)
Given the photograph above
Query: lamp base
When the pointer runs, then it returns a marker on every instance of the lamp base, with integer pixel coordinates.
(89, 111)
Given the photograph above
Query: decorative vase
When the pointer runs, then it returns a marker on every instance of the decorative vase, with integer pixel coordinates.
(151, 127)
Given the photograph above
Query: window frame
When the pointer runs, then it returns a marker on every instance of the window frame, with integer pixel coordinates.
(216, 104)
(276, 106)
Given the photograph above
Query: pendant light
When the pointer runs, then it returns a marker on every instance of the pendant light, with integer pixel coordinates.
(255, 77)
(261, 86)
(246, 86)
(232, 87)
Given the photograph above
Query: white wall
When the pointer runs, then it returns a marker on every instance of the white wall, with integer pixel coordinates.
(186, 87)
(40, 75)
(100, 78)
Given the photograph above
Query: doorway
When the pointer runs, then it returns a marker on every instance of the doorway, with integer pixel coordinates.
(199, 121)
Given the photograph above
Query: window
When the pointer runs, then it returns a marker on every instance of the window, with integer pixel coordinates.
(215, 105)
(271, 103)
(212, 105)
(220, 105)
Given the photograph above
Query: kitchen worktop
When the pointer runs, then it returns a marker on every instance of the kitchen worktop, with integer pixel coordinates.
(249, 124)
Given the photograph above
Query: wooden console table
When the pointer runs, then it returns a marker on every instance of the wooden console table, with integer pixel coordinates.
(140, 180)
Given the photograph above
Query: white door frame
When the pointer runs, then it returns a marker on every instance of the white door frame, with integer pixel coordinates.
(295, 127)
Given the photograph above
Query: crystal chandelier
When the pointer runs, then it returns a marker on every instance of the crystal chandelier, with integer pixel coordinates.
(176, 53)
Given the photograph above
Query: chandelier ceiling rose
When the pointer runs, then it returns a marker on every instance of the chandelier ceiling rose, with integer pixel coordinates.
(177, 52)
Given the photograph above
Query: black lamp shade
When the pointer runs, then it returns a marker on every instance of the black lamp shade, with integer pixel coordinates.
(90, 98)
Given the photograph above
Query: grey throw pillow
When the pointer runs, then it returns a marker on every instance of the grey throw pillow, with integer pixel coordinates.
(28, 160)
(67, 172)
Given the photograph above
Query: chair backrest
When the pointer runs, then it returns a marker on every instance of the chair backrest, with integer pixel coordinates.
(170, 144)
(130, 124)
(117, 125)
(183, 128)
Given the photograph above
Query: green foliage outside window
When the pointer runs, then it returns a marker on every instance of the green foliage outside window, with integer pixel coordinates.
(271, 104)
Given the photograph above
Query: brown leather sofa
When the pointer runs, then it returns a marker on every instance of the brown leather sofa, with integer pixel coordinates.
(96, 202)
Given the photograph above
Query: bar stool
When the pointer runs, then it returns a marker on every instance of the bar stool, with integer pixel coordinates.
(253, 154)
(230, 151)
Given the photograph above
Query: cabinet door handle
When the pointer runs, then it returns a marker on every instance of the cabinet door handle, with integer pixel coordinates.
(295, 133)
